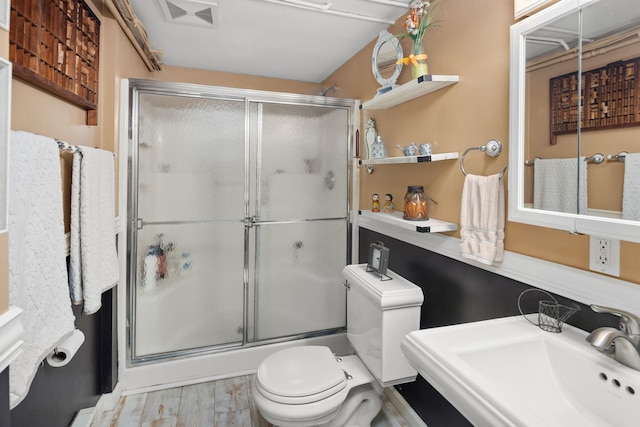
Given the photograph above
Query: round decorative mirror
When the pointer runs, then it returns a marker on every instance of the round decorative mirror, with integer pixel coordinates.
(384, 61)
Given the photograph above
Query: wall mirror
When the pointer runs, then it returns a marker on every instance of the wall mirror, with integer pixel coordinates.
(384, 61)
(574, 114)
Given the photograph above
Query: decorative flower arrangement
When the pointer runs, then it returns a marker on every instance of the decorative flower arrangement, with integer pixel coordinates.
(419, 20)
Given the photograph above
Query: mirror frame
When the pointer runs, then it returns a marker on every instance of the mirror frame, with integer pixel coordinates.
(4, 14)
(389, 83)
(580, 224)
(5, 126)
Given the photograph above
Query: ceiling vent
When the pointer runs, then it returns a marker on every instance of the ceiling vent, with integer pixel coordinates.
(190, 12)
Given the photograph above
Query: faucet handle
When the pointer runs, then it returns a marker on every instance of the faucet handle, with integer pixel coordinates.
(629, 323)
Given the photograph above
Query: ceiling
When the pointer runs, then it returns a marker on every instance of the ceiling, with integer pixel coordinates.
(304, 40)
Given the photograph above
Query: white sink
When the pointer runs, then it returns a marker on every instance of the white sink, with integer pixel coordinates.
(508, 372)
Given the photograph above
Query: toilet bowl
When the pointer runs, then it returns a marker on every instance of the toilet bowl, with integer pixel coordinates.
(310, 386)
(313, 387)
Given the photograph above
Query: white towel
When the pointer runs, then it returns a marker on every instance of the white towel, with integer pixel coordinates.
(482, 219)
(37, 255)
(557, 183)
(631, 188)
(93, 266)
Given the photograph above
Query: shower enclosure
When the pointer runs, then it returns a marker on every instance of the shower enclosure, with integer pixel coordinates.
(238, 218)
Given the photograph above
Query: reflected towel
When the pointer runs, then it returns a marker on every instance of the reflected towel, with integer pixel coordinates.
(631, 188)
(482, 219)
(93, 266)
(558, 183)
(37, 255)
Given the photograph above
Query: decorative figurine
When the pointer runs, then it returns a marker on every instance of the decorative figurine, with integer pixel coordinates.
(388, 203)
(370, 134)
(375, 203)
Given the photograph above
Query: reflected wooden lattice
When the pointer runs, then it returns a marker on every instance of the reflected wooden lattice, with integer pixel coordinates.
(609, 97)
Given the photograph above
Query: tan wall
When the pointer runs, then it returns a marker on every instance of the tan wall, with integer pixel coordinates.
(4, 44)
(473, 42)
(217, 78)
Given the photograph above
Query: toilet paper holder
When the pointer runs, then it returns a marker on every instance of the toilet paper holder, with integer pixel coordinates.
(66, 350)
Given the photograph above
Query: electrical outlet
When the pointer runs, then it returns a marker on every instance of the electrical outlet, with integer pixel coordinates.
(604, 255)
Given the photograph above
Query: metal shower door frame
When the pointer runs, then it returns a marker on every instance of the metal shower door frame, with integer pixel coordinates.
(136, 87)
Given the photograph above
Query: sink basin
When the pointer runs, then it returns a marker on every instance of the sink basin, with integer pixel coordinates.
(508, 372)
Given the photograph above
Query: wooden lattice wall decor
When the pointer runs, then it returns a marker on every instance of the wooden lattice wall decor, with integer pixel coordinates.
(609, 96)
(55, 45)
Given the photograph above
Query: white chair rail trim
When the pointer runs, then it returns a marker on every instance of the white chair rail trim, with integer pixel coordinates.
(10, 336)
(580, 285)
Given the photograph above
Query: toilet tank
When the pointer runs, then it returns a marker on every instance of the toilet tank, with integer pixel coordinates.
(379, 314)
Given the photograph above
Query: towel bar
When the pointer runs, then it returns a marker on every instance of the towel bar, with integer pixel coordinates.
(618, 157)
(492, 149)
(63, 146)
(596, 158)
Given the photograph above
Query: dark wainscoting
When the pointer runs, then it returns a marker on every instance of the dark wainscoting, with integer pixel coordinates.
(5, 418)
(57, 394)
(456, 292)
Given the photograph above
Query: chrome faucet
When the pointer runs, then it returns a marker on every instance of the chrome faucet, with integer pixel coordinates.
(621, 344)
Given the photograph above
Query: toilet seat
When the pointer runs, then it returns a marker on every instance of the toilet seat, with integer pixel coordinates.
(300, 375)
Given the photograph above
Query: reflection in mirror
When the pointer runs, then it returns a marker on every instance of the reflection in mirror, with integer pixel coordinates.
(384, 61)
(550, 181)
(610, 62)
(575, 98)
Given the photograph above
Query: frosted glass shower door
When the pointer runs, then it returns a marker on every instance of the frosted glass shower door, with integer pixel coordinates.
(301, 219)
(190, 232)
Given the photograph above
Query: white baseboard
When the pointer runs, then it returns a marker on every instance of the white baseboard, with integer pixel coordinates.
(107, 402)
(84, 418)
(403, 407)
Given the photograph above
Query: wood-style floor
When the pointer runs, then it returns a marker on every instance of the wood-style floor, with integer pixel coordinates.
(222, 403)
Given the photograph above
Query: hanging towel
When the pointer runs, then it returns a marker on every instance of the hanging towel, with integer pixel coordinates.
(558, 183)
(631, 188)
(93, 266)
(37, 255)
(482, 219)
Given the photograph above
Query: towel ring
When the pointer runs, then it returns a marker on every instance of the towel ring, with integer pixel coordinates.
(492, 149)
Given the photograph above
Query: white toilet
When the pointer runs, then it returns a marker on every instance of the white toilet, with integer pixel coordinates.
(309, 386)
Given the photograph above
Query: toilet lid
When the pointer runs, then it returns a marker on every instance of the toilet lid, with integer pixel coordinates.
(301, 375)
